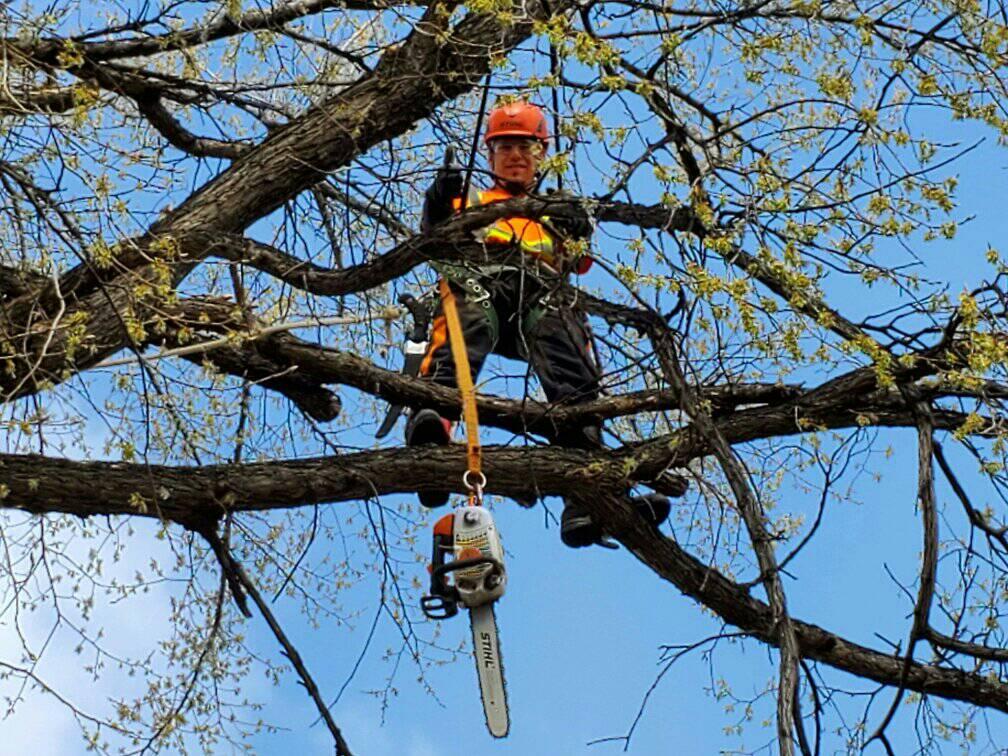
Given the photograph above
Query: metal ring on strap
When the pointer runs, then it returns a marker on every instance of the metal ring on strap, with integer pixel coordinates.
(475, 489)
(471, 486)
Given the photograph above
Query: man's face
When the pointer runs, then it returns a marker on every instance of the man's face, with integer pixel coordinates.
(516, 159)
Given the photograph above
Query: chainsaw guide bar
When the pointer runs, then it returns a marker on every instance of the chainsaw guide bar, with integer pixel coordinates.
(490, 669)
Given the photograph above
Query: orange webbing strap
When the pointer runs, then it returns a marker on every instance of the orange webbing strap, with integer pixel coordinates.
(463, 374)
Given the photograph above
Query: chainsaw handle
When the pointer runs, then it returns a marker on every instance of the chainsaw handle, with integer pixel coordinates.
(444, 597)
(440, 572)
(442, 602)
(438, 607)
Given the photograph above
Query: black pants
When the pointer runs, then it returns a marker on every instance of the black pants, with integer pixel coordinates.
(514, 315)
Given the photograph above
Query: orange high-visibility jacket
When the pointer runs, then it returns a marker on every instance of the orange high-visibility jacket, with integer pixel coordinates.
(530, 236)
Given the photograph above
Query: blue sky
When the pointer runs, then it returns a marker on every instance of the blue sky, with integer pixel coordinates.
(583, 631)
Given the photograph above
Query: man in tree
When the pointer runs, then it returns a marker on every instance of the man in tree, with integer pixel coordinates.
(511, 306)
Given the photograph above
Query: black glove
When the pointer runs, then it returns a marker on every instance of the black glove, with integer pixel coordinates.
(575, 223)
(447, 184)
(438, 198)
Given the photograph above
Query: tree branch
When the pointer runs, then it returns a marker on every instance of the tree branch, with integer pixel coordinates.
(47, 51)
(157, 114)
(236, 572)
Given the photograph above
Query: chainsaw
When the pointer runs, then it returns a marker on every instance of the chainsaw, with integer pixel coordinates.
(478, 578)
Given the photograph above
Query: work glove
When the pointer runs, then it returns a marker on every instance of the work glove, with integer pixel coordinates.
(446, 187)
(576, 223)
(575, 228)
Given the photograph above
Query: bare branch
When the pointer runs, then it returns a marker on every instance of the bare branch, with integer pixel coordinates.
(234, 568)
(155, 112)
(46, 51)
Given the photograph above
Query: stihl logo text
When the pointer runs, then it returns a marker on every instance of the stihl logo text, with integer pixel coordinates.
(488, 651)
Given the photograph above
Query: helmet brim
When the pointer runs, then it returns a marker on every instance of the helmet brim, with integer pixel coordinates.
(514, 133)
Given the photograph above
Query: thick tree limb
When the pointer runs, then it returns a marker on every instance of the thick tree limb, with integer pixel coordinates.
(157, 114)
(194, 495)
(197, 497)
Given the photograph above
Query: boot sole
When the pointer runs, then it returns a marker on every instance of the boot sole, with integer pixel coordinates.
(578, 532)
(431, 433)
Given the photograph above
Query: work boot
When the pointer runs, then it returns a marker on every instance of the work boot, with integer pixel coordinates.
(425, 427)
(578, 530)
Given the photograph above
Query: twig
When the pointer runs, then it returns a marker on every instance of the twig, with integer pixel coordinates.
(929, 559)
(390, 313)
(230, 564)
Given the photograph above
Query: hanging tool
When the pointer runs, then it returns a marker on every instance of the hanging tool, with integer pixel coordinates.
(476, 565)
(467, 546)
(413, 353)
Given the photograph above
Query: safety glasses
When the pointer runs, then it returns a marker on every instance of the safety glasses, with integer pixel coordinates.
(524, 146)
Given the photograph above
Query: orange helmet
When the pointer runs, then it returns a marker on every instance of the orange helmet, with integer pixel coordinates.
(522, 119)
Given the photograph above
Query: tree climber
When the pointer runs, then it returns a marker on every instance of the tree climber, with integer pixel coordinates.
(510, 306)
